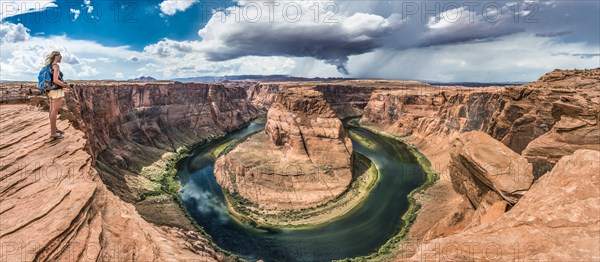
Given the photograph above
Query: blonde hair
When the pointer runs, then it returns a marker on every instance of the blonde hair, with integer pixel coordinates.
(50, 58)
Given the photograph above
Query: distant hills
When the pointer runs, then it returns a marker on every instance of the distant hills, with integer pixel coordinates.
(213, 79)
(143, 79)
(473, 84)
(287, 78)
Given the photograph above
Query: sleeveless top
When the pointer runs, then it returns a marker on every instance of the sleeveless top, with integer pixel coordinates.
(60, 75)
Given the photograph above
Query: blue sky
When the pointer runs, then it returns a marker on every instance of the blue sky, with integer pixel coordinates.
(113, 23)
(482, 41)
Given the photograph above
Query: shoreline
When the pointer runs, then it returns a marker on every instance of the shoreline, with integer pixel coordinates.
(169, 184)
(388, 250)
(337, 208)
(171, 163)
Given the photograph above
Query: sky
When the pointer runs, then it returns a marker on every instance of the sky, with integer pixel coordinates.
(445, 41)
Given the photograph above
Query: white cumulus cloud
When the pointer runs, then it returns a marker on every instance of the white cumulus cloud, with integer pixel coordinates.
(12, 33)
(171, 7)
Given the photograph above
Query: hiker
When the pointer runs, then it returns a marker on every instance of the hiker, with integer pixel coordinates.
(57, 93)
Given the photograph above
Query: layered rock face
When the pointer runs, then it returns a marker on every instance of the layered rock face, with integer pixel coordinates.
(346, 100)
(302, 122)
(262, 95)
(54, 207)
(540, 121)
(130, 126)
(514, 115)
(556, 220)
(303, 158)
(164, 116)
(576, 111)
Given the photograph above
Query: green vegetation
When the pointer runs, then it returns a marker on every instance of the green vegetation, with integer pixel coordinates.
(163, 174)
(166, 182)
(361, 140)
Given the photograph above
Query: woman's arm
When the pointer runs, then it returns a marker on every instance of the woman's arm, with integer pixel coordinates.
(56, 73)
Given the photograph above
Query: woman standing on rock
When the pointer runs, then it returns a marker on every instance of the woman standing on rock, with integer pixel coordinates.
(56, 95)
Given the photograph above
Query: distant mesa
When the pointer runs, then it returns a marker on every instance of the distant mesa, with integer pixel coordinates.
(260, 78)
(143, 79)
(215, 79)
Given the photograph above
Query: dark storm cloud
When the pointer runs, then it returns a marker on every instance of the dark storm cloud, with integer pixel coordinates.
(331, 42)
(334, 43)
(324, 43)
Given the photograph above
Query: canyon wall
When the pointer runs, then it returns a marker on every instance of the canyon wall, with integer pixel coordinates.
(117, 130)
(346, 100)
(163, 116)
(55, 207)
(133, 126)
(541, 122)
(560, 111)
(262, 95)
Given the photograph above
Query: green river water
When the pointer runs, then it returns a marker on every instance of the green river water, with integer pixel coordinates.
(360, 232)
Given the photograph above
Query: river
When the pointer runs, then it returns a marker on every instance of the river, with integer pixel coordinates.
(361, 231)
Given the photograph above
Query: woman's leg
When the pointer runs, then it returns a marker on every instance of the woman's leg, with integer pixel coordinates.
(52, 132)
(59, 104)
(54, 106)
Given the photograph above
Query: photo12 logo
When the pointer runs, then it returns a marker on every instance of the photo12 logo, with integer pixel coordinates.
(426, 12)
(50, 12)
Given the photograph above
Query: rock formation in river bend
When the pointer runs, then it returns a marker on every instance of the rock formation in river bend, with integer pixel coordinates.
(302, 159)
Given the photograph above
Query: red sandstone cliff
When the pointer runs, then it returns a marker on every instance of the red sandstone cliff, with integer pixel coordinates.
(55, 207)
(120, 128)
(561, 109)
(556, 220)
(541, 122)
(131, 126)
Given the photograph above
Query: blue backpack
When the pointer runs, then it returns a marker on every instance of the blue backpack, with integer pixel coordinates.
(45, 82)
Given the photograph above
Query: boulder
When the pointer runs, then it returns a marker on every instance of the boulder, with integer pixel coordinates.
(556, 220)
(481, 164)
